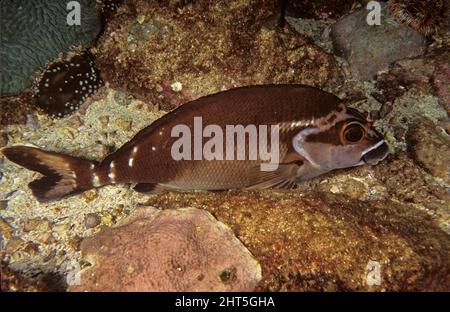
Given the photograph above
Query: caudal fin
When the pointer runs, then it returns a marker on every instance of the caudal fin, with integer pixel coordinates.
(63, 175)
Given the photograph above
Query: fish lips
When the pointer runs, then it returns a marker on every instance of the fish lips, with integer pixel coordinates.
(375, 153)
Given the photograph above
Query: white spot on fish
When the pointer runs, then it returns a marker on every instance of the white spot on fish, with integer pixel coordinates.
(95, 180)
(130, 161)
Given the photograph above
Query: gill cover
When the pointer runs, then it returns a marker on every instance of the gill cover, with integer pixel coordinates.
(348, 141)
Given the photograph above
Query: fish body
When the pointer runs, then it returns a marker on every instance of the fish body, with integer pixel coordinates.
(310, 130)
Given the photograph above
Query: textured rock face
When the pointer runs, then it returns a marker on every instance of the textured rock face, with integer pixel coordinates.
(318, 241)
(173, 250)
(429, 74)
(168, 53)
(35, 32)
(429, 146)
(318, 9)
(370, 49)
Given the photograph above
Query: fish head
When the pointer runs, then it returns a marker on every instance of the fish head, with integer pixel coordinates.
(346, 140)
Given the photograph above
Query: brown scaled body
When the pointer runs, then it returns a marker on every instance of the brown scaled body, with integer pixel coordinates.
(316, 134)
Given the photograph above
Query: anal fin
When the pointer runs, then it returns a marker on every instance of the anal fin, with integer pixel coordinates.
(150, 188)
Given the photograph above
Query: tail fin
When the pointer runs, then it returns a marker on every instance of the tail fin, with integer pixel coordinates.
(63, 175)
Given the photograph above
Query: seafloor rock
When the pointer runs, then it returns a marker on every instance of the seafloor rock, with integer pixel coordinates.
(318, 9)
(168, 54)
(15, 109)
(35, 32)
(172, 250)
(320, 241)
(12, 281)
(405, 182)
(428, 74)
(370, 49)
(430, 148)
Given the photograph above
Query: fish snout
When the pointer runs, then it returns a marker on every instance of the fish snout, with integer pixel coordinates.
(375, 153)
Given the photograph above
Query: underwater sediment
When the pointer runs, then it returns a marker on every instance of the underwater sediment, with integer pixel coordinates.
(322, 236)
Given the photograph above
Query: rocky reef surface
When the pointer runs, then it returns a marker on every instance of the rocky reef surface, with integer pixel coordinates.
(325, 235)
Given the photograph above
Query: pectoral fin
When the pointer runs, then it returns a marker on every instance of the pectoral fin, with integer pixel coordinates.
(283, 177)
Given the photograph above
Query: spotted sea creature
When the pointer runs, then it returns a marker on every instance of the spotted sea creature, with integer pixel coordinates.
(65, 85)
(316, 134)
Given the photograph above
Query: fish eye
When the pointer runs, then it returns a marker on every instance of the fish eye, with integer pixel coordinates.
(353, 132)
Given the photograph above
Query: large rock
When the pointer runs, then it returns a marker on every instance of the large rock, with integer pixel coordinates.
(172, 250)
(315, 241)
(169, 54)
(430, 147)
(370, 49)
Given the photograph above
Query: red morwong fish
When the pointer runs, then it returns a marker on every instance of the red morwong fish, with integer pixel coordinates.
(308, 132)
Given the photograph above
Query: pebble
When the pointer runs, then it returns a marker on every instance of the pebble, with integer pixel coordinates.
(176, 86)
(61, 228)
(90, 195)
(428, 146)
(67, 132)
(104, 121)
(31, 248)
(37, 224)
(75, 242)
(14, 245)
(5, 229)
(107, 219)
(92, 220)
(123, 124)
(45, 238)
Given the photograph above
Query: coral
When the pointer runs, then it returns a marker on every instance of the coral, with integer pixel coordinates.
(172, 250)
(65, 85)
(428, 17)
(149, 47)
(35, 32)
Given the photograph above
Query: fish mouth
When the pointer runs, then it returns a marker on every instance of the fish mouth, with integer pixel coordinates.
(376, 153)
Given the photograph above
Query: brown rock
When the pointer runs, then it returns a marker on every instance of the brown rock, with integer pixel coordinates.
(173, 250)
(37, 224)
(430, 147)
(319, 9)
(92, 220)
(13, 281)
(429, 74)
(6, 230)
(150, 47)
(318, 241)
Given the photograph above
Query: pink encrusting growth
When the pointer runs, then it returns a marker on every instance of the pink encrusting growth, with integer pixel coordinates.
(170, 250)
